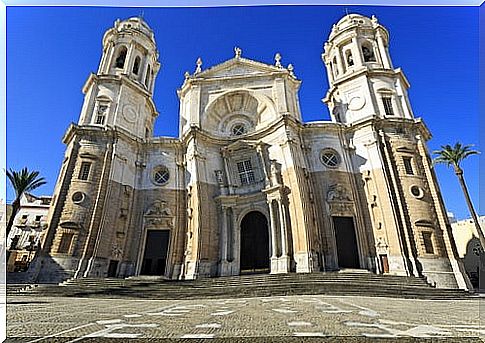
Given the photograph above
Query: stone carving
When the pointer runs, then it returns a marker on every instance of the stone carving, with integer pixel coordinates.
(291, 70)
(338, 192)
(277, 59)
(381, 245)
(116, 251)
(374, 21)
(129, 112)
(198, 64)
(237, 52)
(275, 169)
(159, 208)
(219, 177)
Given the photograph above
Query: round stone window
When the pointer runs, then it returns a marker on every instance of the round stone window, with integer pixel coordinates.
(161, 175)
(330, 158)
(78, 197)
(238, 129)
(416, 191)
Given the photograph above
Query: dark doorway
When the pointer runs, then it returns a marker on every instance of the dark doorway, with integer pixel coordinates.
(384, 263)
(155, 256)
(112, 268)
(347, 252)
(254, 243)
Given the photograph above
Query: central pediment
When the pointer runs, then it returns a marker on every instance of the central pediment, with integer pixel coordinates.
(239, 67)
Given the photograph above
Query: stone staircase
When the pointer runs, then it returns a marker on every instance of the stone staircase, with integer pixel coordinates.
(260, 285)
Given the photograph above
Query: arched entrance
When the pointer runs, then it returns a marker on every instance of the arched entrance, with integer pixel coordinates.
(254, 243)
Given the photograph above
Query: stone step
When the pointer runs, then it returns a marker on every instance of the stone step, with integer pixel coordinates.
(348, 283)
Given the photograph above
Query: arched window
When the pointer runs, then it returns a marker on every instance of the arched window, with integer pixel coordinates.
(136, 65)
(349, 58)
(147, 77)
(368, 53)
(120, 60)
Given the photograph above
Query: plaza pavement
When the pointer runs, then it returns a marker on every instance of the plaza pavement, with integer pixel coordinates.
(284, 319)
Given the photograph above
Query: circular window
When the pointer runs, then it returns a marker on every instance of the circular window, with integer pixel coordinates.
(238, 129)
(330, 158)
(78, 197)
(161, 176)
(416, 191)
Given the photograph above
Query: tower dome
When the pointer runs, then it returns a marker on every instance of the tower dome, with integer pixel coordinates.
(129, 49)
(356, 42)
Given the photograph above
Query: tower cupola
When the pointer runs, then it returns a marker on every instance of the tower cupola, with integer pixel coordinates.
(129, 49)
(356, 42)
(363, 82)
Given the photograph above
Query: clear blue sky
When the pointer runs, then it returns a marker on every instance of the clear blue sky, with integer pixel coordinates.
(52, 50)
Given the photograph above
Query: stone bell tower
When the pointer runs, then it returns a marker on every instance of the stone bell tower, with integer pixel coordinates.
(120, 93)
(363, 82)
(88, 220)
(387, 147)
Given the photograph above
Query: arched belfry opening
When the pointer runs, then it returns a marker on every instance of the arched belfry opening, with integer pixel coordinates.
(254, 244)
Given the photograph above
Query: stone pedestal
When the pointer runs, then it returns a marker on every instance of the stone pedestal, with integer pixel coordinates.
(227, 268)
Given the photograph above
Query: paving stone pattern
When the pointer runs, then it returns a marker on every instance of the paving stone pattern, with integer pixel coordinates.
(287, 319)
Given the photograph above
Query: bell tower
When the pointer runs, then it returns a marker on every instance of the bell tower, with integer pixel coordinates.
(362, 80)
(120, 93)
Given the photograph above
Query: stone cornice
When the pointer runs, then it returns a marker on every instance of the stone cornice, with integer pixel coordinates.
(197, 81)
(123, 80)
(369, 72)
(255, 135)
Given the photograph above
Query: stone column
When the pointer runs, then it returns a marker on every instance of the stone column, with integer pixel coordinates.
(284, 265)
(224, 234)
(225, 268)
(340, 66)
(127, 68)
(358, 60)
(382, 51)
(273, 230)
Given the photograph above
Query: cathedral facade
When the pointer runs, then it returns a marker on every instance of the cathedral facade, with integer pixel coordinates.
(247, 186)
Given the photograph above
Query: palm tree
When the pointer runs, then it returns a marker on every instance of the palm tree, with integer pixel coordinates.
(23, 181)
(453, 156)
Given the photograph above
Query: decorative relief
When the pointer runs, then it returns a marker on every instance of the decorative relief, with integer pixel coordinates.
(339, 200)
(338, 192)
(129, 113)
(116, 251)
(159, 214)
(356, 103)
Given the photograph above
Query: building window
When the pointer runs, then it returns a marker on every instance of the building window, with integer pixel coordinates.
(84, 172)
(147, 77)
(238, 129)
(428, 242)
(38, 218)
(65, 243)
(246, 172)
(417, 191)
(387, 101)
(161, 175)
(368, 54)
(408, 165)
(329, 158)
(136, 65)
(101, 114)
(120, 60)
(78, 197)
(335, 67)
(349, 58)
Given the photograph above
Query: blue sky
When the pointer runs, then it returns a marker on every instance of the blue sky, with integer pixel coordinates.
(52, 50)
